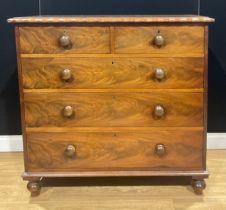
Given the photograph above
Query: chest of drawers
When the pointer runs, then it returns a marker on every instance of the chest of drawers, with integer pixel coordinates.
(113, 96)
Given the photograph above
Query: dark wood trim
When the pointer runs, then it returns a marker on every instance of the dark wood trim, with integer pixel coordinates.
(205, 96)
(22, 112)
(112, 19)
(111, 55)
(32, 175)
(112, 39)
(109, 129)
(197, 173)
(113, 24)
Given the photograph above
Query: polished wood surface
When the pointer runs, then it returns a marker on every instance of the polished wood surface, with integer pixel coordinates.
(21, 94)
(113, 96)
(109, 129)
(40, 73)
(205, 106)
(46, 39)
(113, 109)
(202, 174)
(178, 39)
(132, 193)
(113, 55)
(113, 19)
(115, 151)
(156, 90)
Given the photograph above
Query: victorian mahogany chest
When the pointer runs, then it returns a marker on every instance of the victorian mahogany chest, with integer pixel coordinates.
(113, 96)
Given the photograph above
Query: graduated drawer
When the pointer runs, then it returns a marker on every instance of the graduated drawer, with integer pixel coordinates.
(112, 72)
(175, 39)
(46, 40)
(149, 150)
(71, 109)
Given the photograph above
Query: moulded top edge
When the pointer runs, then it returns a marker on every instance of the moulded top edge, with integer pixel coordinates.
(113, 19)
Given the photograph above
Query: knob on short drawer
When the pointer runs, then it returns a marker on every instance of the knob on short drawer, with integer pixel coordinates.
(70, 150)
(68, 111)
(159, 111)
(160, 149)
(159, 74)
(159, 40)
(65, 41)
(66, 75)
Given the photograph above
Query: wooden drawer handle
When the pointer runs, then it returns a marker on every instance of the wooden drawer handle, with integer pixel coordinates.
(160, 149)
(68, 111)
(159, 40)
(65, 41)
(66, 75)
(159, 74)
(159, 111)
(70, 150)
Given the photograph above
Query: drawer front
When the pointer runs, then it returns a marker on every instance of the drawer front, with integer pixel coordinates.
(175, 39)
(113, 109)
(155, 150)
(45, 40)
(112, 72)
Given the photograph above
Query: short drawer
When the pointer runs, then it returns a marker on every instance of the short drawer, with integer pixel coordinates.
(109, 151)
(160, 39)
(70, 109)
(39, 73)
(47, 40)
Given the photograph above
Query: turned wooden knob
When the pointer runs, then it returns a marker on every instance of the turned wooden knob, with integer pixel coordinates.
(159, 40)
(160, 149)
(159, 74)
(65, 41)
(159, 111)
(68, 111)
(66, 75)
(70, 150)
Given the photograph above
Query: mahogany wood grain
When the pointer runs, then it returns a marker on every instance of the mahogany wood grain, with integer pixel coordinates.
(21, 94)
(179, 39)
(156, 90)
(103, 116)
(205, 95)
(104, 173)
(109, 129)
(111, 55)
(112, 19)
(40, 73)
(46, 39)
(115, 151)
(113, 109)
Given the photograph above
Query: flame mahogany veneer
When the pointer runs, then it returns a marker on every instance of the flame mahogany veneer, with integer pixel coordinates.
(113, 96)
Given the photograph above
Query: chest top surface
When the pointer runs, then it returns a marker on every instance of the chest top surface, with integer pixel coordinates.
(113, 19)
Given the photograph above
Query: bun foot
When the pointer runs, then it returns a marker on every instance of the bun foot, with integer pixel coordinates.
(198, 186)
(34, 187)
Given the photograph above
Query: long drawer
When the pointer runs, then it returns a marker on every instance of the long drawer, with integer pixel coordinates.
(149, 150)
(46, 40)
(112, 72)
(171, 39)
(71, 109)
